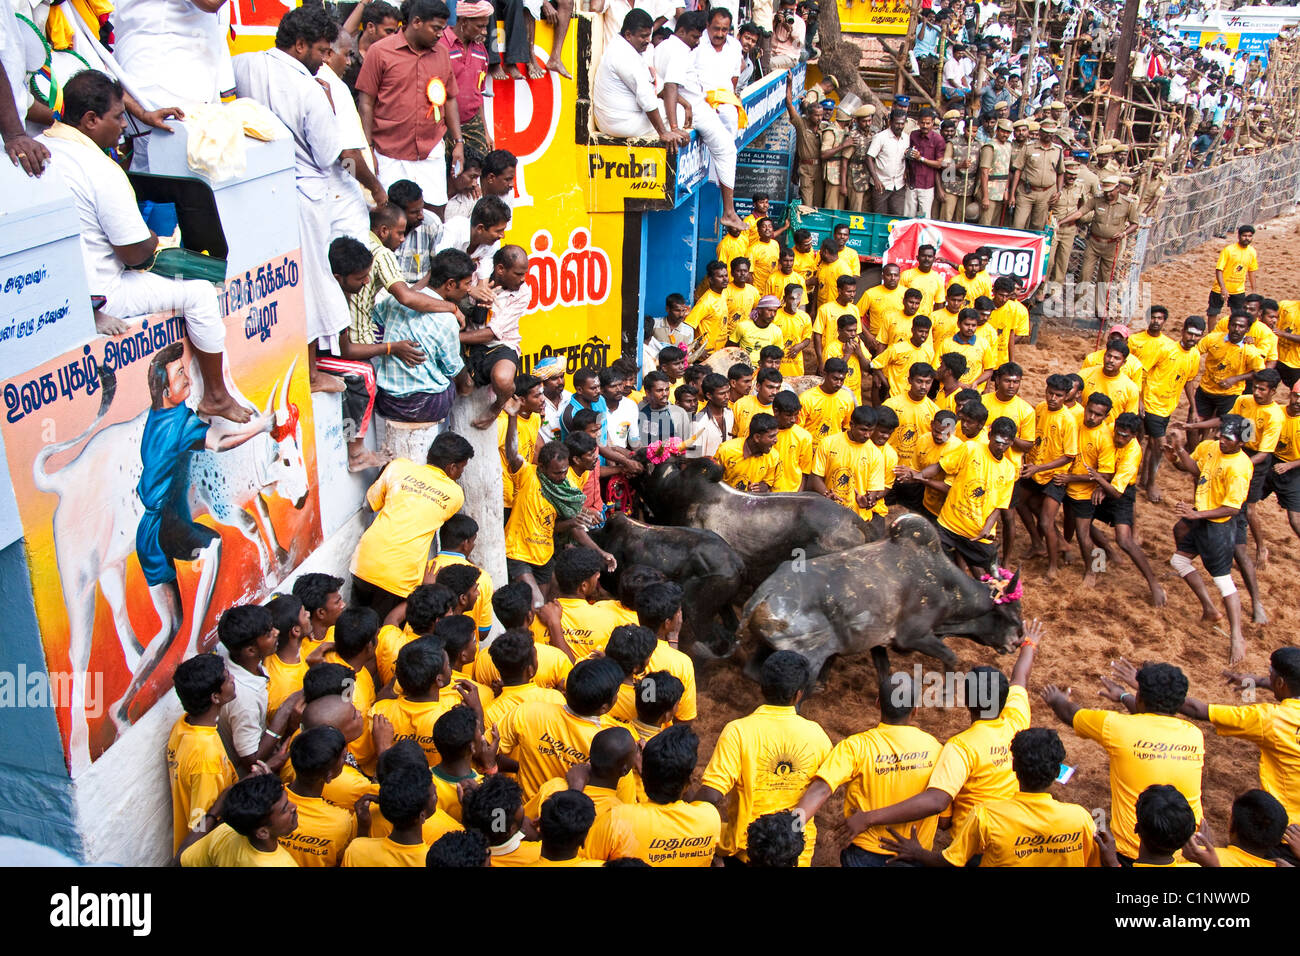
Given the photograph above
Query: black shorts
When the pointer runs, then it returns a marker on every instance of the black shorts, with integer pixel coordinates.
(1028, 487)
(909, 494)
(483, 357)
(1240, 529)
(1236, 301)
(1212, 541)
(1076, 508)
(1155, 425)
(1213, 406)
(1285, 486)
(1257, 479)
(541, 572)
(1289, 375)
(1117, 511)
(977, 554)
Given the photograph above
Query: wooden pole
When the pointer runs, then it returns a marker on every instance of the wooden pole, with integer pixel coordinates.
(1123, 50)
(1033, 65)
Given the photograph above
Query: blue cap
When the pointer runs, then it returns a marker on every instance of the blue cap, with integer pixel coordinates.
(902, 100)
(1081, 154)
(549, 367)
(828, 104)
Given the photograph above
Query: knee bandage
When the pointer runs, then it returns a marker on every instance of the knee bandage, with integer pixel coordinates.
(1225, 585)
(1182, 564)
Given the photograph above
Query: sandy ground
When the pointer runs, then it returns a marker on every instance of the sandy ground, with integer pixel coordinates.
(1087, 629)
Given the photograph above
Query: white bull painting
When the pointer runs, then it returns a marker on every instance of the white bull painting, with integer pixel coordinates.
(162, 468)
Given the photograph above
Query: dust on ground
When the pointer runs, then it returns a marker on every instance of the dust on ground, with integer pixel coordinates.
(1086, 629)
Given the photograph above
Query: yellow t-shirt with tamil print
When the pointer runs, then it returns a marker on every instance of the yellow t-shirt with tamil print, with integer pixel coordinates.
(1096, 449)
(1144, 749)
(794, 448)
(671, 834)
(411, 502)
(1029, 829)
(1235, 263)
(768, 758)
(825, 414)
(974, 766)
(913, 423)
(530, 532)
(1055, 434)
(1167, 377)
(1020, 412)
(225, 848)
(1275, 729)
(546, 739)
(1259, 336)
(1224, 480)
(741, 471)
(1225, 360)
(837, 460)
(414, 719)
(587, 625)
(384, 851)
(323, 831)
(794, 329)
(708, 317)
(980, 484)
(929, 284)
(198, 769)
(883, 766)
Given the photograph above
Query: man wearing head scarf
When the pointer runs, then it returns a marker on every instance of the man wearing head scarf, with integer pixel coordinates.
(463, 41)
(759, 330)
(551, 371)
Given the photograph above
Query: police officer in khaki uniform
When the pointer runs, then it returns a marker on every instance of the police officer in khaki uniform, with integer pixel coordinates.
(808, 148)
(1091, 181)
(1100, 160)
(1019, 134)
(1037, 175)
(960, 175)
(859, 184)
(1154, 183)
(995, 170)
(1114, 218)
(1074, 192)
(835, 146)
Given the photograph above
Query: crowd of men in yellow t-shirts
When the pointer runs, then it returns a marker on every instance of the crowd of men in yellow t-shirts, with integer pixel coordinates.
(402, 731)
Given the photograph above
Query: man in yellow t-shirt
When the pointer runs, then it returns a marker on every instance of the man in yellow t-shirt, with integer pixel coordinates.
(1028, 829)
(1009, 319)
(882, 302)
(197, 766)
(766, 384)
(407, 798)
(838, 459)
(764, 253)
(708, 317)
(882, 766)
(1056, 442)
(543, 740)
(733, 243)
(843, 342)
(847, 255)
(1116, 499)
(1132, 367)
(666, 829)
(1284, 319)
(825, 410)
(794, 446)
(982, 479)
(586, 624)
(751, 463)
(323, 830)
(1172, 372)
(1005, 401)
(930, 447)
(980, 356)
(829, 269)
(828, 314)
(1229, 361)
(1207, 528)
(924, 278)
(410, 502)
(1148, 744)
(784, 275)
(891, 368)
(896, 325)
(974, 766)
(1234, 273)
(255, 813)
(947, 318)
(806, 258)
(741, 293)
(757, 331)
(972, 278)
(1096, 458)
(796, 331)
(1110, 380)
(424, 674)
(767, 758)
(458, 538)
(532, 405)
(915, 411)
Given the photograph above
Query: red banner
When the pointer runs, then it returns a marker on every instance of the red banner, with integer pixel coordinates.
(1020, 255)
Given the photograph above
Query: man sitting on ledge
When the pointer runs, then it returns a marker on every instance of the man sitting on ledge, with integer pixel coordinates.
(424, 393)
(117, 246)
(623, 94)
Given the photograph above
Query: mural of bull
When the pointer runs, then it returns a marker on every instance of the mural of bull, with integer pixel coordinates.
(101, 518)
(901, 592)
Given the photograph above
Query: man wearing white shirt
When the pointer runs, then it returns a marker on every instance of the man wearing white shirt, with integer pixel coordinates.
(284, 80)
(719, 63)
(116, 242)
(480, 235)
(174, 51)
(350, 214)
(956, 74)
(887, 162)
(679, 80)
(623, 93)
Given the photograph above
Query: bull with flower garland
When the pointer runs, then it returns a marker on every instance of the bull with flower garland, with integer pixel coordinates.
(900, 592)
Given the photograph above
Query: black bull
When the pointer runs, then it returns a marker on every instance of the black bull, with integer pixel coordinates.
(763, 529)
(901, 592)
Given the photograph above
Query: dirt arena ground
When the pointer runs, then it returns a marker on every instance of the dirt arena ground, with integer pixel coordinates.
(1087, 629)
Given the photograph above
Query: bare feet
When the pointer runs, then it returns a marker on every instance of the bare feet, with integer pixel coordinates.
(498, 73)
(320, 382)
(108, 324)
(1211, 614)
(734, 221)
(1236, 650)
(536, 72)
(1261, 556)
(1037, 551)
(223, 406)
(1050, 576)
(556, 65)
(1090, 580)
(365, 460)
(1153, 495)
(513, 73)
(1260, 617)
(1158, 598)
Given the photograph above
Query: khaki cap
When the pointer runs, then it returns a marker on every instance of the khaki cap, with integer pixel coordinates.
(1019, 123)
(1033, 127)
(952, 115)
(1103, 150)
(1109, 182)
(1116, 145)
(1072, 168)
(864, 111)
(1126, 180)
(1057, 105)
(1048, 126)
(1005, 124)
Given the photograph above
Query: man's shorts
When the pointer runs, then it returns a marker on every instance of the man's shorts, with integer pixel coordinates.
(1285, 486)
(1240, 529)
(977, 554)
(417, 407)
(1117, 511)
(1257, 479)
(1212, 541)
(1080, 508)
(1028, 487)
(483, 357)
(1213, 406)
(909, 494)
(541, 572)
(1289, 375)
(1155, 425)
(1236, 301)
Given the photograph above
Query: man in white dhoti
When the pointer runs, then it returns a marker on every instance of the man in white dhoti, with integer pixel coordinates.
(623, 94)
(174, 51)
(719, 62)
(284, 79)
(350, 211)
(117, 245)
(680, 82)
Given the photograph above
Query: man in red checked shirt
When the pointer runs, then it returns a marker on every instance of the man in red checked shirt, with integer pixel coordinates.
(463, 41)
(406, 95)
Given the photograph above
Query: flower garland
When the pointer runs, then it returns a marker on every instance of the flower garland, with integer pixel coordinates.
(997, 583)
(658, 452)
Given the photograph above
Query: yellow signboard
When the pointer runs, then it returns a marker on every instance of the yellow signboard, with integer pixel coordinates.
(875, 16)
(613, 174)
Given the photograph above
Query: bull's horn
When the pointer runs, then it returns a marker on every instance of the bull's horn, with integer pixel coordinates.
(282, 400)
(1011, 585)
